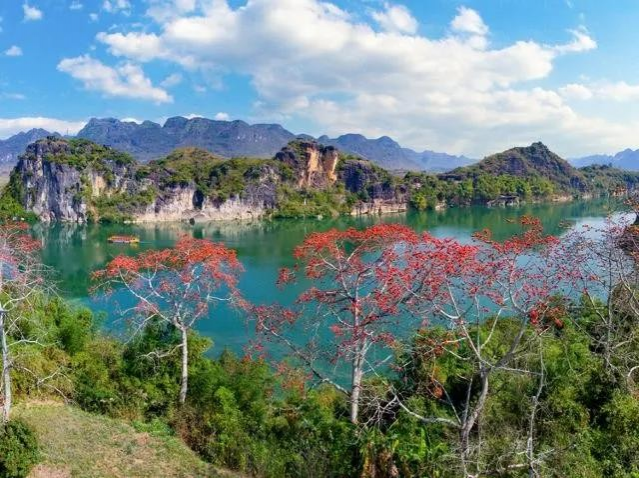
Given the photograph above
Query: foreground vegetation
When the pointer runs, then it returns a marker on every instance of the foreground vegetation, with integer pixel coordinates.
(406, 355)
(80, 444)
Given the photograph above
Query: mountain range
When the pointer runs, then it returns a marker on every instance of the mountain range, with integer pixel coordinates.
(14, 146)
(627, 159)
(148, 140)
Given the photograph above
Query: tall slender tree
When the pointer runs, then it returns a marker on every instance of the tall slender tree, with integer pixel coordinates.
(350, 308)
(176, 286)
(22, 277)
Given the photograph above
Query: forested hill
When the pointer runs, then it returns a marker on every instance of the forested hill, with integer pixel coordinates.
(78, 180)
(534, 161)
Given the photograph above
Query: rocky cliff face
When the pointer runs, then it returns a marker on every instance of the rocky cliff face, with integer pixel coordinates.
(315, 165)
(56, 190)
(79, 181)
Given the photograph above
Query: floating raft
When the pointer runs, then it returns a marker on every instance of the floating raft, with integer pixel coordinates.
(124, 239)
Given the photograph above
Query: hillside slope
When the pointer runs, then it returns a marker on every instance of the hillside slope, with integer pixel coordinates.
(78, 444)
(534, 161)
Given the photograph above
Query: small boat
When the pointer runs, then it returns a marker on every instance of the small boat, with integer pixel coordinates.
(124, 239)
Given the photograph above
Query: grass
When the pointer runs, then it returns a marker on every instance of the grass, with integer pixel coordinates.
(78, 444)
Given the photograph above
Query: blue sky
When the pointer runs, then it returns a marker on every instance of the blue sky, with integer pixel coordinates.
(470, 77)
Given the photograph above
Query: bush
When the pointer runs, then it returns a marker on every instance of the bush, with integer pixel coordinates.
(18, 450)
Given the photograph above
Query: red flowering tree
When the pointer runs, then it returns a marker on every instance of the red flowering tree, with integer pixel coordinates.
(351, 306)
(176, 286)
(468, 289)
(21, 278)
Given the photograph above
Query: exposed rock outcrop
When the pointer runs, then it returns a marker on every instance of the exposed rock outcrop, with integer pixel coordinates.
(315, 165)
(79, 181)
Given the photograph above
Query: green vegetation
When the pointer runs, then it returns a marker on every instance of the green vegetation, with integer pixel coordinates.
(82, 154)
(18, 449)
(242, 416)
(83, 445)
(294, 203)
(213, 177)
(606, 179)
(120, 207)
(10, 201)
(427, 190)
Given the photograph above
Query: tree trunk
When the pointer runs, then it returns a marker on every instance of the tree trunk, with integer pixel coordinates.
(185, 366)
(6, 375)
(356, 386)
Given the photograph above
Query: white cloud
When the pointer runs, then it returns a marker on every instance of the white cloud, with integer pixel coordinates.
(221, 116)
(172, 80)
(127, 80)
(31, 13)
(76, 5)
(117, 6)
(396, 19)
(93, 17)
(469, 21)
(11, 126)
(576, 91)
(456, 93)
(14, 50)
(619, 91)
(582, 41)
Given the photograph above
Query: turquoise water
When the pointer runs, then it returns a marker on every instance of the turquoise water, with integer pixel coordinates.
(74, 251)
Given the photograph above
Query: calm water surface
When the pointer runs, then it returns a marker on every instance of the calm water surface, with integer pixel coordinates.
(74, 251)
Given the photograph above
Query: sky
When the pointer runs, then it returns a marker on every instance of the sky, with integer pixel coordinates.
(466, 77)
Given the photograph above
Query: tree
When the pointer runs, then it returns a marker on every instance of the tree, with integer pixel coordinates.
(21, 278)
(350, 308)
(479, 294)
(175, 286)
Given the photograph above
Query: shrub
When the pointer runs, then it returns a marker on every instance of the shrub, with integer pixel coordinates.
(18, 450)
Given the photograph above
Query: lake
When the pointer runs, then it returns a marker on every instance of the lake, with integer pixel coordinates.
(74, 251)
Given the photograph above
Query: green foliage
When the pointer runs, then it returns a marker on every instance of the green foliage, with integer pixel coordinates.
(427, 191)
(19, 450)
(293, 203)
(12, 200)
(120, 207)
(82, 153)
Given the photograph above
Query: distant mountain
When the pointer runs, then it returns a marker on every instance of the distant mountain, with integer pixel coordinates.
(390, 155)
(13, 146)
(531, 161)
(148, 140)
(627, 159)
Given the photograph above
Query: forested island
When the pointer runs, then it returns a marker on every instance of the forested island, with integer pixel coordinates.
(76, 180)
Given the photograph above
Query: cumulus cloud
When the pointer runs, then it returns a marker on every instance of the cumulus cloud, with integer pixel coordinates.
(11, 126)
(221, 116)
(396, 19)
(31, 13)
(582, 41)
(127, 80)
(13, 51)
(469, 21)
(76, 5)
(454, 93)
(576, 91)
